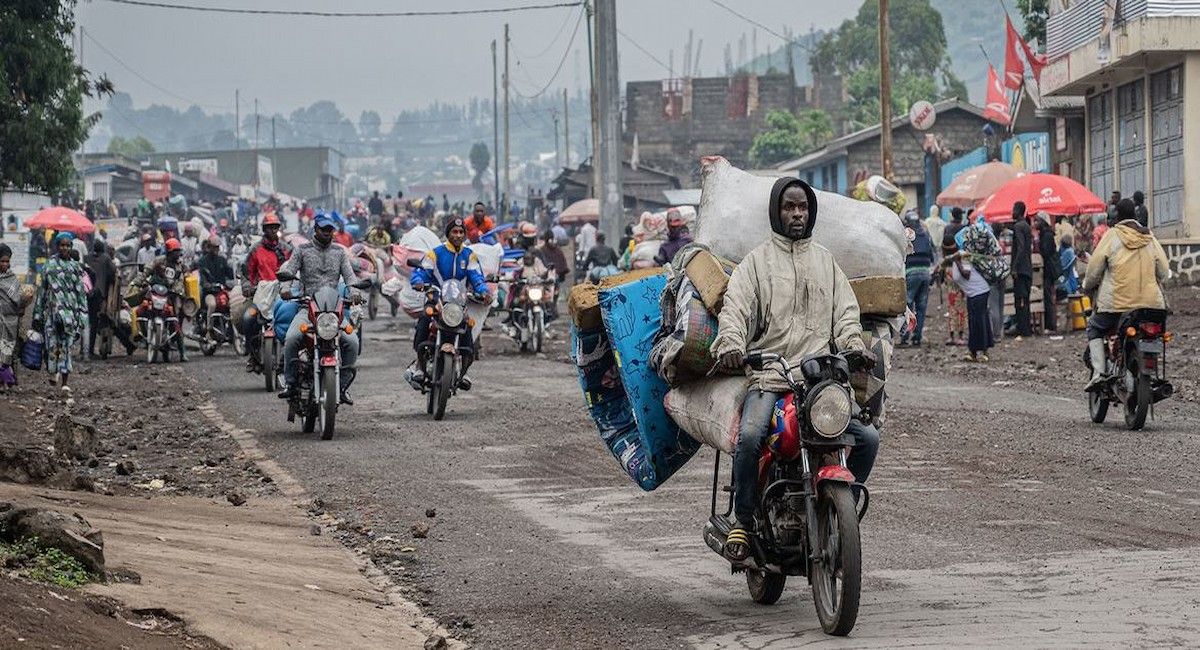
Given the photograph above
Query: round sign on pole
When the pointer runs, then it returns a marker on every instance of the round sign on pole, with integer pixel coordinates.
(921, 115)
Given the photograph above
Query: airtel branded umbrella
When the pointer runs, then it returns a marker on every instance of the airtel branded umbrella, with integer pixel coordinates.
(61, 219)
(976, 184)
(1041, 192)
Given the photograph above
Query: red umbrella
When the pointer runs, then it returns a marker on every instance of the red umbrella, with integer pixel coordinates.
(61, 219)
(1041, 192)
(976, 184)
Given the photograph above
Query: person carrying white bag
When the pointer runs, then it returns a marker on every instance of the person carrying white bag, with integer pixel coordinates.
(788, 297)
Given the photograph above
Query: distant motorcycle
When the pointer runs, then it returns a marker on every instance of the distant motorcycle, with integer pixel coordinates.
(217, 325)
(1136, 368)
(318, 366)
(444, 350)
(528, 323)
(158, 321)
(807, 506)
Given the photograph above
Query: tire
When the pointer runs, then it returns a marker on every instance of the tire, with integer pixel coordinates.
(308, 422)
(373, 305)
(765, 588)
(539, 333)
(151, 345)
(444, 385)
(330, 396)
(1097, 406)
(1138, 405)
(836, 593)
(208, 347)
(267, 357)
(239, 343)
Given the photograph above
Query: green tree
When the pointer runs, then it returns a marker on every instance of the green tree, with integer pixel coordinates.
(133, 147)
(1035, 13)
(920, 67)
(480, 158)
(780, 141)
(41, 94)
(369, 123)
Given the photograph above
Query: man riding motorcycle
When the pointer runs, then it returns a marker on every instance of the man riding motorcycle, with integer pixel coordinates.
(214, 272)
(262, 263)
(450, 261)
(1128, 267)
(531, 269)
(317, 265)
(167, 270)
(787, 297)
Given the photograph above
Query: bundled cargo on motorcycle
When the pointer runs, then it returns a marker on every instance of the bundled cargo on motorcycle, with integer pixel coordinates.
(681, 351)
(623, 394)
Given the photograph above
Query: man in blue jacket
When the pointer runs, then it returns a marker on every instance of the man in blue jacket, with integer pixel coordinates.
(917, 268)
(450, 261)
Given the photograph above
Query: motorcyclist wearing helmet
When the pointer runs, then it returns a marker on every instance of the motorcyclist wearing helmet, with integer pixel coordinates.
(450, 261)
(317, 265)
(167, 270)
(262, 263)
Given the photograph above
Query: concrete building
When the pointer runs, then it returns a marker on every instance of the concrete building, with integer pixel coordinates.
(1137, 66)
(310, 173)
(845, 161)
(644, 188)
(677, 121)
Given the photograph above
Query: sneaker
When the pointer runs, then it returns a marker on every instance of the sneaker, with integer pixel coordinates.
(289, 392)
(345, 398)
(464, 384)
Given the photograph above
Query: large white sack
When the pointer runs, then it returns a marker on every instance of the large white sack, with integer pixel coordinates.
(709, 410)
(420, 238)
(489, 257)
(866, 238)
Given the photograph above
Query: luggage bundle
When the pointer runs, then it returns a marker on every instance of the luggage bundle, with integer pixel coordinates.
(623, 395)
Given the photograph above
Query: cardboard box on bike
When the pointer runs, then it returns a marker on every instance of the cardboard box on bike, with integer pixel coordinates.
(583, 302)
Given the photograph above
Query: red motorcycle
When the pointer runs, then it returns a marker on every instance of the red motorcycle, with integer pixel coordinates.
(1135, 375)
(807, 504)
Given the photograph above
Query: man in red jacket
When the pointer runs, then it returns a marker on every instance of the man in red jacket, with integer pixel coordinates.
(478, 224)
(262, 263)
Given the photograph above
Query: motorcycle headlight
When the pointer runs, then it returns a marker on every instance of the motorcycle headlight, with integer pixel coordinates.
(535, 294)
(452, 314)
(327, 325)
(829, 411)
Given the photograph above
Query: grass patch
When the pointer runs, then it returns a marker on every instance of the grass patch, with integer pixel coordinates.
(44, 564)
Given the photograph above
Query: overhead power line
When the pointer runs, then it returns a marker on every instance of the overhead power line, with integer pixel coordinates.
(570, 44)
(761, 26)
(645, 51)
(347, 14)
(139, 75)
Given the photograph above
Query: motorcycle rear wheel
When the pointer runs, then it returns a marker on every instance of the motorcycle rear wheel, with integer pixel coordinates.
(837, 575)
(1138, 405)
(329, 404)
(373, 305)
(1097, 406)
(765, 588)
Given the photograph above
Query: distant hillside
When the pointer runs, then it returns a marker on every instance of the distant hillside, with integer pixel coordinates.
(970, 24)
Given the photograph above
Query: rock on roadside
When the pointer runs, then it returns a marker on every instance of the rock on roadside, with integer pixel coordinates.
(71, 534)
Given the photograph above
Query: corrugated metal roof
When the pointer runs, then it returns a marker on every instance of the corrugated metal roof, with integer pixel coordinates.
(1076, 26)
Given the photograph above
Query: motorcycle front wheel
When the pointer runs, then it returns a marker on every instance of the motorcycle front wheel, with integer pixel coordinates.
(373, 305)
(837, 569)
(1097, 406)
(329, 403)
(267, 357)
(444, 385)
(765, 588)
(152, 345)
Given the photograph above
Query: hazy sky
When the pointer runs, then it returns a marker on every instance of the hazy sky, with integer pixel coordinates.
(389, 64)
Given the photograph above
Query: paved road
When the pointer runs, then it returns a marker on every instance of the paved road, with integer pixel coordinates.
(1002, 517)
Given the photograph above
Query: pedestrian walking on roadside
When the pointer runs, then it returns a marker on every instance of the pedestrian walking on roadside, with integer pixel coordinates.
(956, 300)
(979, 324)
(917, 267)
(61, 308)
(1051, 270)
(1021, 264)
(12, 305)
(1068, 281)
(1139, 209)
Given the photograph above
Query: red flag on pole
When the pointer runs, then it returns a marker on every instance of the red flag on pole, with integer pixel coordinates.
(1014, 69)
(996, 108)
(1036, 61)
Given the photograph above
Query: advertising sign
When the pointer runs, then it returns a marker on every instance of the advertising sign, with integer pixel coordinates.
(1028, 152)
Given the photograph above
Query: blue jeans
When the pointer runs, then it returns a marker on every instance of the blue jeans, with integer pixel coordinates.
(918, 299)
(756, 420)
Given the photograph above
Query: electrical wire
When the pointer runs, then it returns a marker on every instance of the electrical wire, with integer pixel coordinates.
(557, 35)
(646, 52)
(143, 77)
(563, 60)
(770, 31)
(347, 14)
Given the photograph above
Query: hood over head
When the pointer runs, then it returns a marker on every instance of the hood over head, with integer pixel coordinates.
(1133, 234)
(777, 200)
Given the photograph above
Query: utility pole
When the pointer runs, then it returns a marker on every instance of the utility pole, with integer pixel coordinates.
(507, 179)
(609, 150)
(237, 119)
(495, 128)
(592, 99)
(256, 178)
(885, 92)
(566, 131)
(557, 157)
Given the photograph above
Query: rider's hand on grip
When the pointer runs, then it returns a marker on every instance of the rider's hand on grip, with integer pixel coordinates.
(732, 361)
(860, 360)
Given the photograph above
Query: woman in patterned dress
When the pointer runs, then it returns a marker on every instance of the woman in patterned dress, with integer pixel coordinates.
(61, 309)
